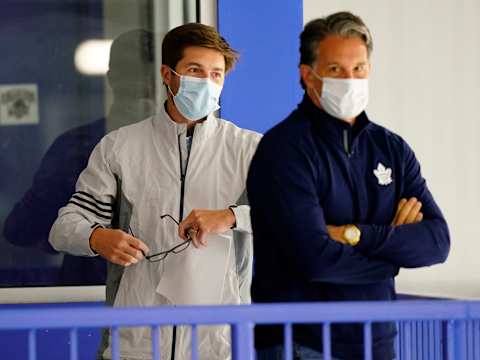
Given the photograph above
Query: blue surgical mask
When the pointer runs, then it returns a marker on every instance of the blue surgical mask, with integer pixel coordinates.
(196, 97)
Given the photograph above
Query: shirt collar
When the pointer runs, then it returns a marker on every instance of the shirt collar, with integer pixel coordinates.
(331, 128)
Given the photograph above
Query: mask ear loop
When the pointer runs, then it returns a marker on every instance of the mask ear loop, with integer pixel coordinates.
(174, 72)
(168, 86)
(316, 94)
(318, 78)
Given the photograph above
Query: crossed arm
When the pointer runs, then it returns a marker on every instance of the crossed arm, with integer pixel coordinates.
(408, 212)
(285, 207)
(418, 235)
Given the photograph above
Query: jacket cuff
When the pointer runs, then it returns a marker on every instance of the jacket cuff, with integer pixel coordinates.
(242, 218)
(84, 245)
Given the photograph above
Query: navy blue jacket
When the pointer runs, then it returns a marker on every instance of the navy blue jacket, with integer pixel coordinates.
(312, 170)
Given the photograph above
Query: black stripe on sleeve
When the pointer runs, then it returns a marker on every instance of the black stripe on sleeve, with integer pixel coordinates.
(92, 197)
(91, 210)
(95, 225)
(91, 203)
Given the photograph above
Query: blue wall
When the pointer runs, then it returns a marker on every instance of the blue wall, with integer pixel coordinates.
(264, 87)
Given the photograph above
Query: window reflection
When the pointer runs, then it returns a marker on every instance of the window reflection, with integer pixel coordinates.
(41, 158)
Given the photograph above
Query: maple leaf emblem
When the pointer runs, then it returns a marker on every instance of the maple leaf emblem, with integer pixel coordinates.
(383, 174)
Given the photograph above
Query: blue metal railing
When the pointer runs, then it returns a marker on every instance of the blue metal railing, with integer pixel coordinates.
(456, 323)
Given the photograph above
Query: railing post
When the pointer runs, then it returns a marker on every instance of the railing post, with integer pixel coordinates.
(32, 345)
(288, 341)
(326, 341)
(407, 337)
(476, 339)
(242, 341)
(195, 350)
(367, 340)
(73, 344)
(456, 340)
(156, 342)
(115, 344)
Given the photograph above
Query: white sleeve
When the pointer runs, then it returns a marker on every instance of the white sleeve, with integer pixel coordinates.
(242, 218)
(242, 239)
(243, 222)
(90, 206)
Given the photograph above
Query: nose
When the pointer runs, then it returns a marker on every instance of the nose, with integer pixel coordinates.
(348, 74)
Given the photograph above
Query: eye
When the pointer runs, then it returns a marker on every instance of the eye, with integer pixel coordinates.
(217, 75)
(334, 69)
(193, 70)
(360, 68)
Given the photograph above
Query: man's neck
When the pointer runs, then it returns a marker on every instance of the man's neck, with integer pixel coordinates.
(176, 116)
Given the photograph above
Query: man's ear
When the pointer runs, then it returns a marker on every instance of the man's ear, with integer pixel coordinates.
(166, 74)
(307, 76)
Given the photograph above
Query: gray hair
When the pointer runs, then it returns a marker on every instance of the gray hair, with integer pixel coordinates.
(344, 24)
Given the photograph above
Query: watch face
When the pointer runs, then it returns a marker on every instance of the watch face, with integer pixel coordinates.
(351, 233)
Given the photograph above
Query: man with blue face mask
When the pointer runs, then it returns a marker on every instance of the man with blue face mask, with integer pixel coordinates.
(160, 200)
(338, 202)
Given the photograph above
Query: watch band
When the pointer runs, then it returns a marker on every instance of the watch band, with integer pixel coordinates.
(231, 207)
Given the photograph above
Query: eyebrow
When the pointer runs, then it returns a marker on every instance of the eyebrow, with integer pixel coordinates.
(336, 63)
(192, 63)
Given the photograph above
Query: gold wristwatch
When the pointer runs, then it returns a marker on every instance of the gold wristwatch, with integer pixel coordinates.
(352, 235)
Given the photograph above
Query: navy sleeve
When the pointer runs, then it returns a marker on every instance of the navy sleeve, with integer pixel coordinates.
(412, 245)
(288, 221)
(31, 219)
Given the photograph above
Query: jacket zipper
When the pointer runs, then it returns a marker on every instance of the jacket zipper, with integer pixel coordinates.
(182, 179)
(346, 145)
(350, 153)
(183, 175)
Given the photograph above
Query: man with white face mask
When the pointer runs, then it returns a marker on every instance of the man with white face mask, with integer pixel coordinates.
(338, 202)
(141, 181)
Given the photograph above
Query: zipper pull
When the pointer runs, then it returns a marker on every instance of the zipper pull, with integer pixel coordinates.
(346, 146)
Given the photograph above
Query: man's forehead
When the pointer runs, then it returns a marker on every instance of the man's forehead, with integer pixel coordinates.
(333, 47)
(204, 65)
(338, 62)
(203, 57)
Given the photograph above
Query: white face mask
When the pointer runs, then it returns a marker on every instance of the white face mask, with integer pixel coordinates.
(343, 98)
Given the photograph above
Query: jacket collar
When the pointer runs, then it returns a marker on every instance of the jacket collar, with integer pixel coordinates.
(331, 128)
(169, 130)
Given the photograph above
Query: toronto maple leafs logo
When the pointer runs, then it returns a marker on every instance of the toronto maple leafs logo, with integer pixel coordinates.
(18, 102)
(383, 174)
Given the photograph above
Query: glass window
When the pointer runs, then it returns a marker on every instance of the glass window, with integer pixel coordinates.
(71, 71)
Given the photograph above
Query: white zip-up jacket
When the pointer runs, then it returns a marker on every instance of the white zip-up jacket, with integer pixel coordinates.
(134, 176)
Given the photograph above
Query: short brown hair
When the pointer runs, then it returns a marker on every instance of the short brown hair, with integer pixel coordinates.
(195, 34)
